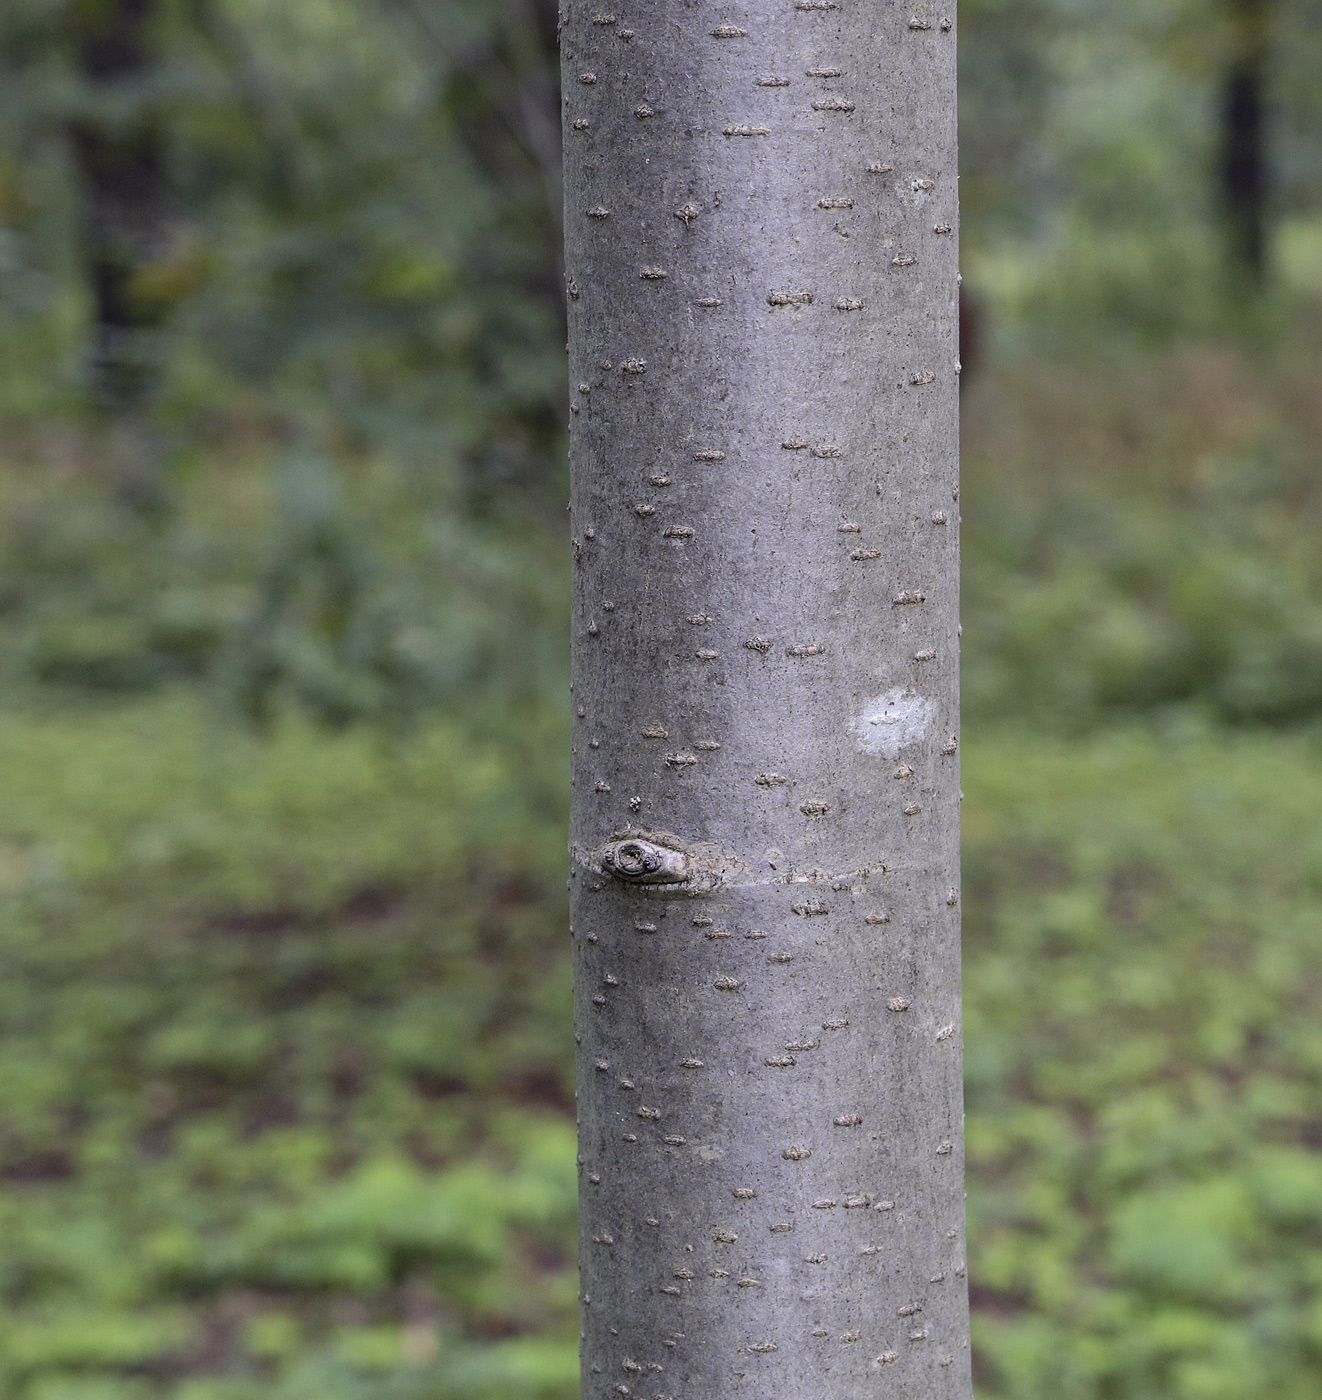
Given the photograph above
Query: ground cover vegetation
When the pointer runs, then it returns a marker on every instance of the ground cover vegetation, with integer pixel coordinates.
(285, 1087)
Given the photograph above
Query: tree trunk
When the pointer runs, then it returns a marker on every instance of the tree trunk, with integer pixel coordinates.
(762, 282)
(1244, 166)
(118, 149)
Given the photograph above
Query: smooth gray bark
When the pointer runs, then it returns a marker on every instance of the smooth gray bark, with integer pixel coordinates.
(760, 205)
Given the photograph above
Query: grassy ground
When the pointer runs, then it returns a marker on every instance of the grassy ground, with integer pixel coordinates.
(286, 1103)
(286, 1113)
(285, 1091)
(1145, 1063)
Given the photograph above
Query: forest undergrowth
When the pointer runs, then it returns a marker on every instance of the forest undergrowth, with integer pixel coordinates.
(286, 1102)
(286, 1110)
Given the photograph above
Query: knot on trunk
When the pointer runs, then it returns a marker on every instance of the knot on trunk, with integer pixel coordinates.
(644, 863)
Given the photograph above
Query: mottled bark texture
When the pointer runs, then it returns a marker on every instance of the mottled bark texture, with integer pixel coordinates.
(762, 277)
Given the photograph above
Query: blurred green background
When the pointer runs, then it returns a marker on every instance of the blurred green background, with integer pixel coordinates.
(285, 1071)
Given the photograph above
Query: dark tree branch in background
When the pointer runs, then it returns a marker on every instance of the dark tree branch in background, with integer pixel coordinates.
(532, 62)
(1245, 169)
(118, 150)
(512, 71)
(260, 94)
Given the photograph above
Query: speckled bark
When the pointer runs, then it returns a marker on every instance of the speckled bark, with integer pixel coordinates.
(762, 278)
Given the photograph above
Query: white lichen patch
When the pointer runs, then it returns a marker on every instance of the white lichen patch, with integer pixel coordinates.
(892, 722)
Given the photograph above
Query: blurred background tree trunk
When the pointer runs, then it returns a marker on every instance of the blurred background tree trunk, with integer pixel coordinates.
(118, 145)
(1245, 163)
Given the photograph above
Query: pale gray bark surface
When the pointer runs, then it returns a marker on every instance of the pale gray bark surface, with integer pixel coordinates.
(760, 205)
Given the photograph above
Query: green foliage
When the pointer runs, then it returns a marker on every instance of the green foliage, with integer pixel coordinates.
(338, 490)
(284, 1109)
(358, 234)
(1091, 137)
(285, 1073)
(1144, 1064)
(1146, 542)
(346, 585)
(285, 1028)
